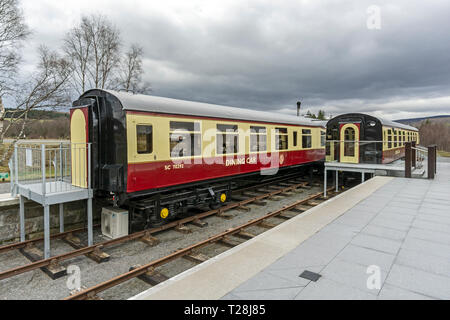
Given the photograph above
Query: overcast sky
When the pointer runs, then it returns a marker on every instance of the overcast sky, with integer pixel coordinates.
(334, 55)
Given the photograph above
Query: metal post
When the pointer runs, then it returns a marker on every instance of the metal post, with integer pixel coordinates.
(89, 212)
(325, 183)
(16, 169)
(89, 165)
(337, 181)
(60, 161)
(408, 160)
(362, 177)
(61, 217)
(435, 158)
(22, 217)
(431, 162)
(43, 169)
(46, 231)
(413, 154)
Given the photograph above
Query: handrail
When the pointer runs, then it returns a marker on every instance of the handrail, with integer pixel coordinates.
(370, 141)
(420, 149)
(56, 168)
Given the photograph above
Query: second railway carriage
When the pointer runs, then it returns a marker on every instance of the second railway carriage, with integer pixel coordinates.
(361, 138)
(157, 156)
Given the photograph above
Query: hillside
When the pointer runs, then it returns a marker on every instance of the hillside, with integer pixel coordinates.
(41, 114)
(433, 130)
(418, 120)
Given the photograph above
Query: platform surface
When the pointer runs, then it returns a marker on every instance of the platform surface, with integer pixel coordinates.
(55, 192)
(397, 167)
(388, 238)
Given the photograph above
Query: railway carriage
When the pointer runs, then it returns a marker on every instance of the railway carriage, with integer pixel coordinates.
(361, 138)
(158, 156)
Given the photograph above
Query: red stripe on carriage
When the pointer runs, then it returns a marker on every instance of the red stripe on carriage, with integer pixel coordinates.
(150, 175)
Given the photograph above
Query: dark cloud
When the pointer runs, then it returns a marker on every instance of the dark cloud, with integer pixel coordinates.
(267, 54)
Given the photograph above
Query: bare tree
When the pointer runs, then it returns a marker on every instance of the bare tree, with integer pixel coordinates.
(130, 73)
(12, 32)
(78, 46)
(47, 88)
(436, 131)
(93, 48)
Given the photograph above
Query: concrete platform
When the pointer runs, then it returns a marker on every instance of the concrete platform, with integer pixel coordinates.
(6, 199)
(388, 238)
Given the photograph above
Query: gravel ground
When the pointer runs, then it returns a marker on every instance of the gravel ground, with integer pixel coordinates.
(37, 285)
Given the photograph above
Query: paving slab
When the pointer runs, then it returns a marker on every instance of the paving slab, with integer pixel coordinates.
(327, 289)
(367, 257)
(383, 232)
(419, 281)
(389, 292)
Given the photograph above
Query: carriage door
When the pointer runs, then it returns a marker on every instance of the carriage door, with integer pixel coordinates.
(78, 138)
(349, 137)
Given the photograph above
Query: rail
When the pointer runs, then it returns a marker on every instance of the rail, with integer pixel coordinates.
(416, 155)
(91, 292)
(144, 233)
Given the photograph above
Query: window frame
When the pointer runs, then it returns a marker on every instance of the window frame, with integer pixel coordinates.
(389, 136)
(195, 135)
(151, 139)
(261, 136)
(281, 139)
(225, 134)
(307, 133)
(323, 138)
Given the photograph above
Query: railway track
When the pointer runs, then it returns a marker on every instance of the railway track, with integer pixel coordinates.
(149, 273)
(247, 196)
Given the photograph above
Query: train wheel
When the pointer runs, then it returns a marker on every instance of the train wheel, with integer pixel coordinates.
(217, 203)
(159, 217)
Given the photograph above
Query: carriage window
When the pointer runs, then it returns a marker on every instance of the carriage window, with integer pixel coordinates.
(322, 138)
(295, 138)
(227, 139)
(258, 139)
(281, 138)
(389, 139)
(306, 138)
(185, 139)
(184, 126)
(395, 138)
(144, 135)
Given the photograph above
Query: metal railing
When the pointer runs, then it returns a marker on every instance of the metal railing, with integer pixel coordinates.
(51, 168)
(364, 151)
(420, 154)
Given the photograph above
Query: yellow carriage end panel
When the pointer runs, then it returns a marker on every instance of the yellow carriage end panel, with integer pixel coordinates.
(78, 139)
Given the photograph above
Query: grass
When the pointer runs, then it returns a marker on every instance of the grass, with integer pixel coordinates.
(443, 153)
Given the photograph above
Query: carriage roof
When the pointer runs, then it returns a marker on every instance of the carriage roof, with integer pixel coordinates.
(146, 103)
